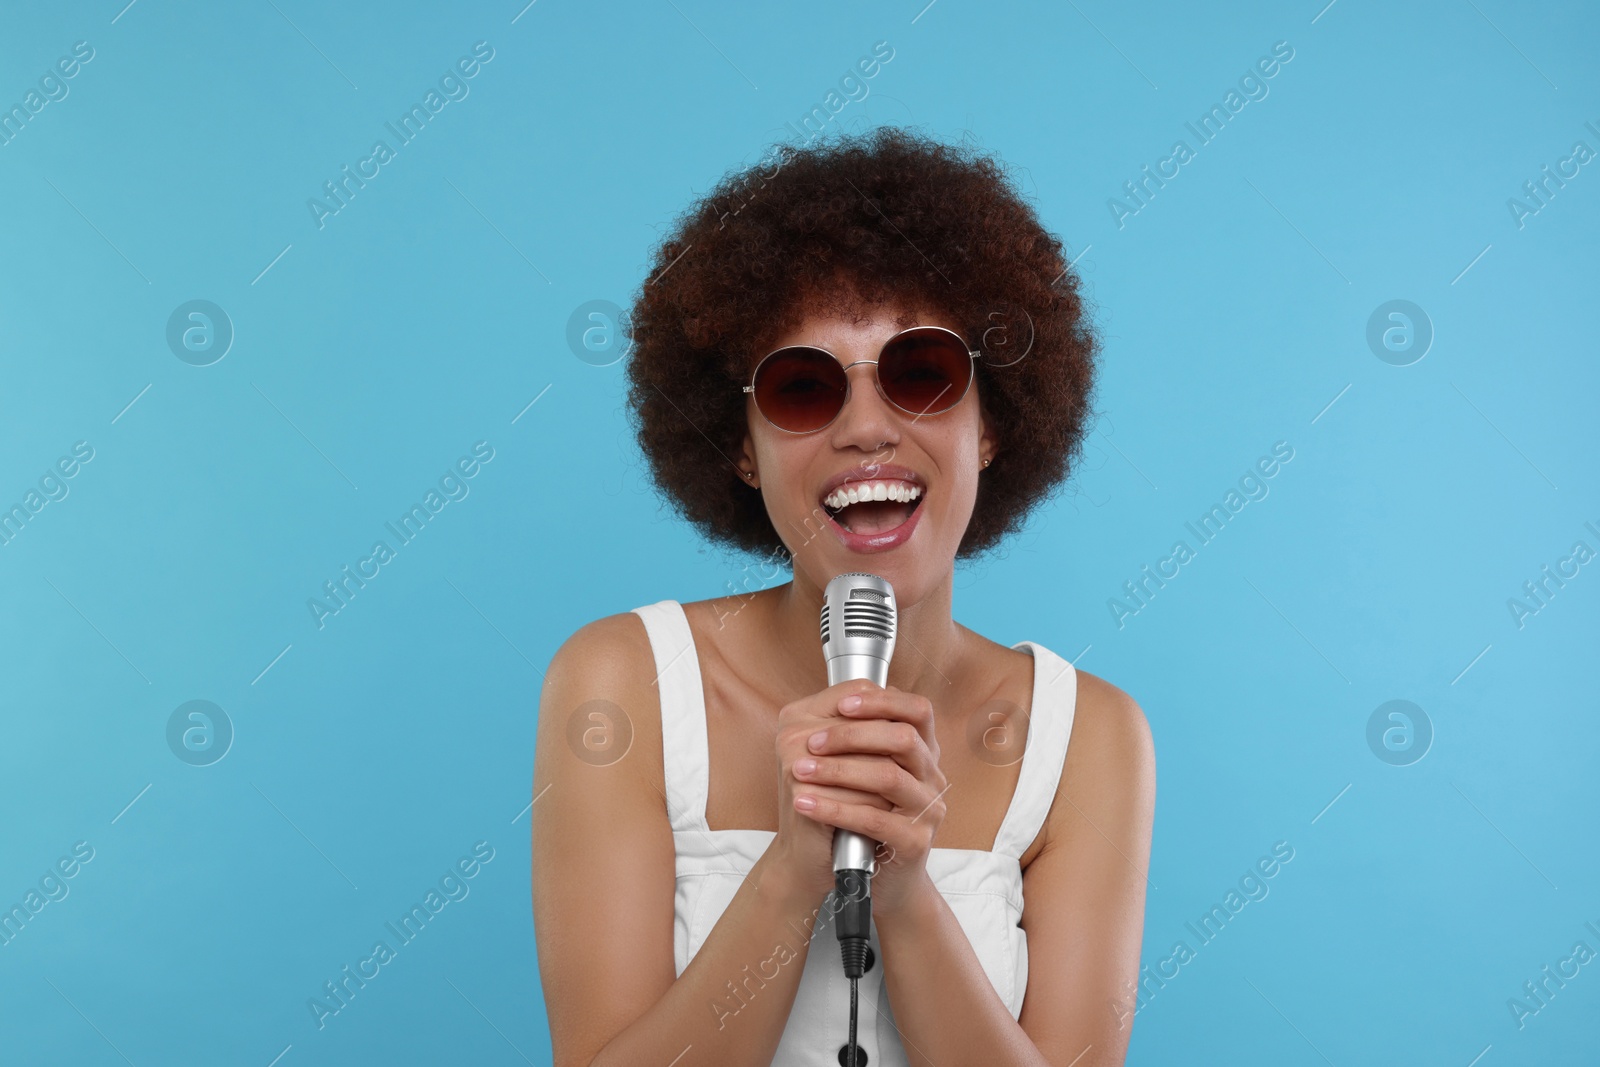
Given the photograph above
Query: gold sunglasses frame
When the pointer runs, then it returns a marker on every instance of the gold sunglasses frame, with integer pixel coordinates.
(877, 383)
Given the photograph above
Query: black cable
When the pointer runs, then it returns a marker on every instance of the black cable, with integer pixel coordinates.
(854, 1048)
(853, 924)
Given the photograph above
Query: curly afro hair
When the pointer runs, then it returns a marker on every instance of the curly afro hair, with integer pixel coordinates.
(870, 220)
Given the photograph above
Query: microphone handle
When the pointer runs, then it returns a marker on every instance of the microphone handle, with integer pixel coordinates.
(853, 851)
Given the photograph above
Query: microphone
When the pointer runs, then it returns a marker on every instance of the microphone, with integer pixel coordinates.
(859, 620)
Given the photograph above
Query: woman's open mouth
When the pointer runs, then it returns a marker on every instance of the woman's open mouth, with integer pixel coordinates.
(874, 515)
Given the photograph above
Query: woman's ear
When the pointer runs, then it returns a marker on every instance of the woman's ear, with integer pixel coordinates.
(747, 462)
(988, 439)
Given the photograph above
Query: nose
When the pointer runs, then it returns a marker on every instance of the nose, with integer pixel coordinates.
(867, 419)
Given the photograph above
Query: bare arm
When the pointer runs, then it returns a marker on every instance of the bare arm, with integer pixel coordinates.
(1084, 915)
(604, 876)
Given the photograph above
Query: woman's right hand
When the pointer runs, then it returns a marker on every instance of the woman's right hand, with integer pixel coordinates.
(803, 848)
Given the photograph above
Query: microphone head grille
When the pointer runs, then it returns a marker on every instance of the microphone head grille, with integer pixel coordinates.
(868, 620)
(858, 616)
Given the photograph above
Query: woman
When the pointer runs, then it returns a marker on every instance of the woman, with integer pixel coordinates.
(883, 311)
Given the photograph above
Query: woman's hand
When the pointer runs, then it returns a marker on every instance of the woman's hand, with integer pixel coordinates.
(868, 759)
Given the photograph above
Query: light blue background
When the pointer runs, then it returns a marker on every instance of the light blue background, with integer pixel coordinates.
(370, 754)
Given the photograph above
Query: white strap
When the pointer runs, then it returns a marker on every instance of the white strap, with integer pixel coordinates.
(684, 749)
(1055, 698)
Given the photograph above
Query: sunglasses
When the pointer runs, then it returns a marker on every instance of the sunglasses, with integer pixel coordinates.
(924, 370)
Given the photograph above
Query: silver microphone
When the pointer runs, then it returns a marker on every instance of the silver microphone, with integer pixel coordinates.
(859, 620)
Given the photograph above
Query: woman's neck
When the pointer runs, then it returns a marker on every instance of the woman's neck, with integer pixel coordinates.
(929, 645)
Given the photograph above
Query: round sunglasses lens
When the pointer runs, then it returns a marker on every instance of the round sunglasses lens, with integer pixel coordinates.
(800, 389)
(925, 371)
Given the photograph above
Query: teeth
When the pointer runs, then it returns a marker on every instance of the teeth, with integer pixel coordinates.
(904, 492)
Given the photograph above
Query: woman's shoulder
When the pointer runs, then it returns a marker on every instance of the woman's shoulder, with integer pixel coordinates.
(1105, 796)
(1110, 725)
(599, 698)
(1110, 763)
(613, 647)
(1110, 738)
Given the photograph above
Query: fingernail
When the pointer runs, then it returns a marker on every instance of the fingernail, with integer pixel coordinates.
(805, 803)
(818, 739)
(850, 703)
(805, 766)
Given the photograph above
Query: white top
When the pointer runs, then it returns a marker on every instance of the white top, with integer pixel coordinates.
(983, 888)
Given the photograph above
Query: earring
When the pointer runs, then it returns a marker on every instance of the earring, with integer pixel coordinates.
(749, 476)
(985, 463)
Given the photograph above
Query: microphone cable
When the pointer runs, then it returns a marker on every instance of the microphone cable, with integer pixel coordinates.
(855, 1049)
(853, 924)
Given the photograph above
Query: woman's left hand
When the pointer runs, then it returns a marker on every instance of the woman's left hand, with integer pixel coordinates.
(884, 745)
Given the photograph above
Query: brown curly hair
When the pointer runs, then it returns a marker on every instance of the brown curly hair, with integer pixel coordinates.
(886, 217)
